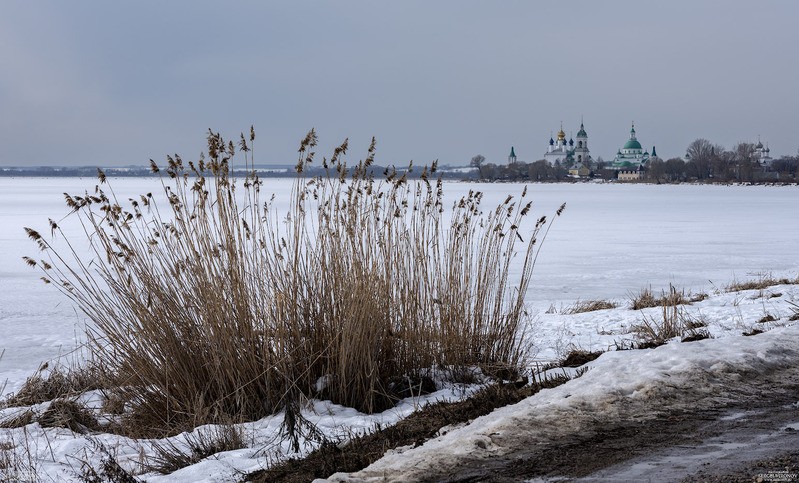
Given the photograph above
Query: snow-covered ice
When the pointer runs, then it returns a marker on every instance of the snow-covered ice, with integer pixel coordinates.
(612, 240)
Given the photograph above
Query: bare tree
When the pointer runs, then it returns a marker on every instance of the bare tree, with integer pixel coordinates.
(675, 169)
(746, 162)
(477, 161)
(701, 153)
(786, 166)
(657, 170)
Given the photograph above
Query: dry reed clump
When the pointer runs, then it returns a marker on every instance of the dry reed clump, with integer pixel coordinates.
(212, 307)
(653, 332)
(643, 299)
(590, 306)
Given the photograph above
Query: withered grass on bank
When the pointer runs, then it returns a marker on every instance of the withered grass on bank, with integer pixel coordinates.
(582, 306)
(654, 331)
(646, 298)
(201, 443)
(763, 281)
(58, 382)
(211, 307)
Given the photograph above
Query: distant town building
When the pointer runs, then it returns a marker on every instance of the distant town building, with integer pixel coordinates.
(567, 153)
(579, 170)
(632, 174)
(631, 155)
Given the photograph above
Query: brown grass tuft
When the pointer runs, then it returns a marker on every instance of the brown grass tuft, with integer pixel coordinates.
(578, 357)
(57, 383)
(590, 306)
(201, 443)
(65, 413)
(763, 281)
(18, 420)
(645, 298)
(766, 318)
(653, 332)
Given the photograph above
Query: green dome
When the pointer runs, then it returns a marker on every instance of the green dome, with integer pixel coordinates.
(632, 144)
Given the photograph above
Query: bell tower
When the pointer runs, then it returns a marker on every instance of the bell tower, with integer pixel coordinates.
(581, 152)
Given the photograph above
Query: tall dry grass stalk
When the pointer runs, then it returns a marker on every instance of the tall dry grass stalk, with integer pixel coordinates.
(211, 306)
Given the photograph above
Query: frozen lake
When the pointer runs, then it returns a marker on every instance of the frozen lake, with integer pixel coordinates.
(611, 240)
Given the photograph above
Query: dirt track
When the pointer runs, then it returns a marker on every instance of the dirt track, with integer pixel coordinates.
(724, 427)
(733, 444)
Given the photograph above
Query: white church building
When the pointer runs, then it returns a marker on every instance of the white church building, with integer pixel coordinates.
(568, 153)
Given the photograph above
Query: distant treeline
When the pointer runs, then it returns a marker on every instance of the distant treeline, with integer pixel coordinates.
(674, 170)
(82, 171)
(264, 172)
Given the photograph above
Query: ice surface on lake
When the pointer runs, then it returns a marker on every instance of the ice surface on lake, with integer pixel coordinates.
(611, 240)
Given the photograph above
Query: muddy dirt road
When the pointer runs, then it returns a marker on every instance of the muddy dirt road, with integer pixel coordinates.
(736, 443)
(717, 423)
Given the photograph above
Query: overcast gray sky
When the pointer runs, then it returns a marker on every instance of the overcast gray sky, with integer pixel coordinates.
(115, 83)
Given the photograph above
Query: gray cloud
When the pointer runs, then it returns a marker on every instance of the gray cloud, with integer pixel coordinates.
(118, 83)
